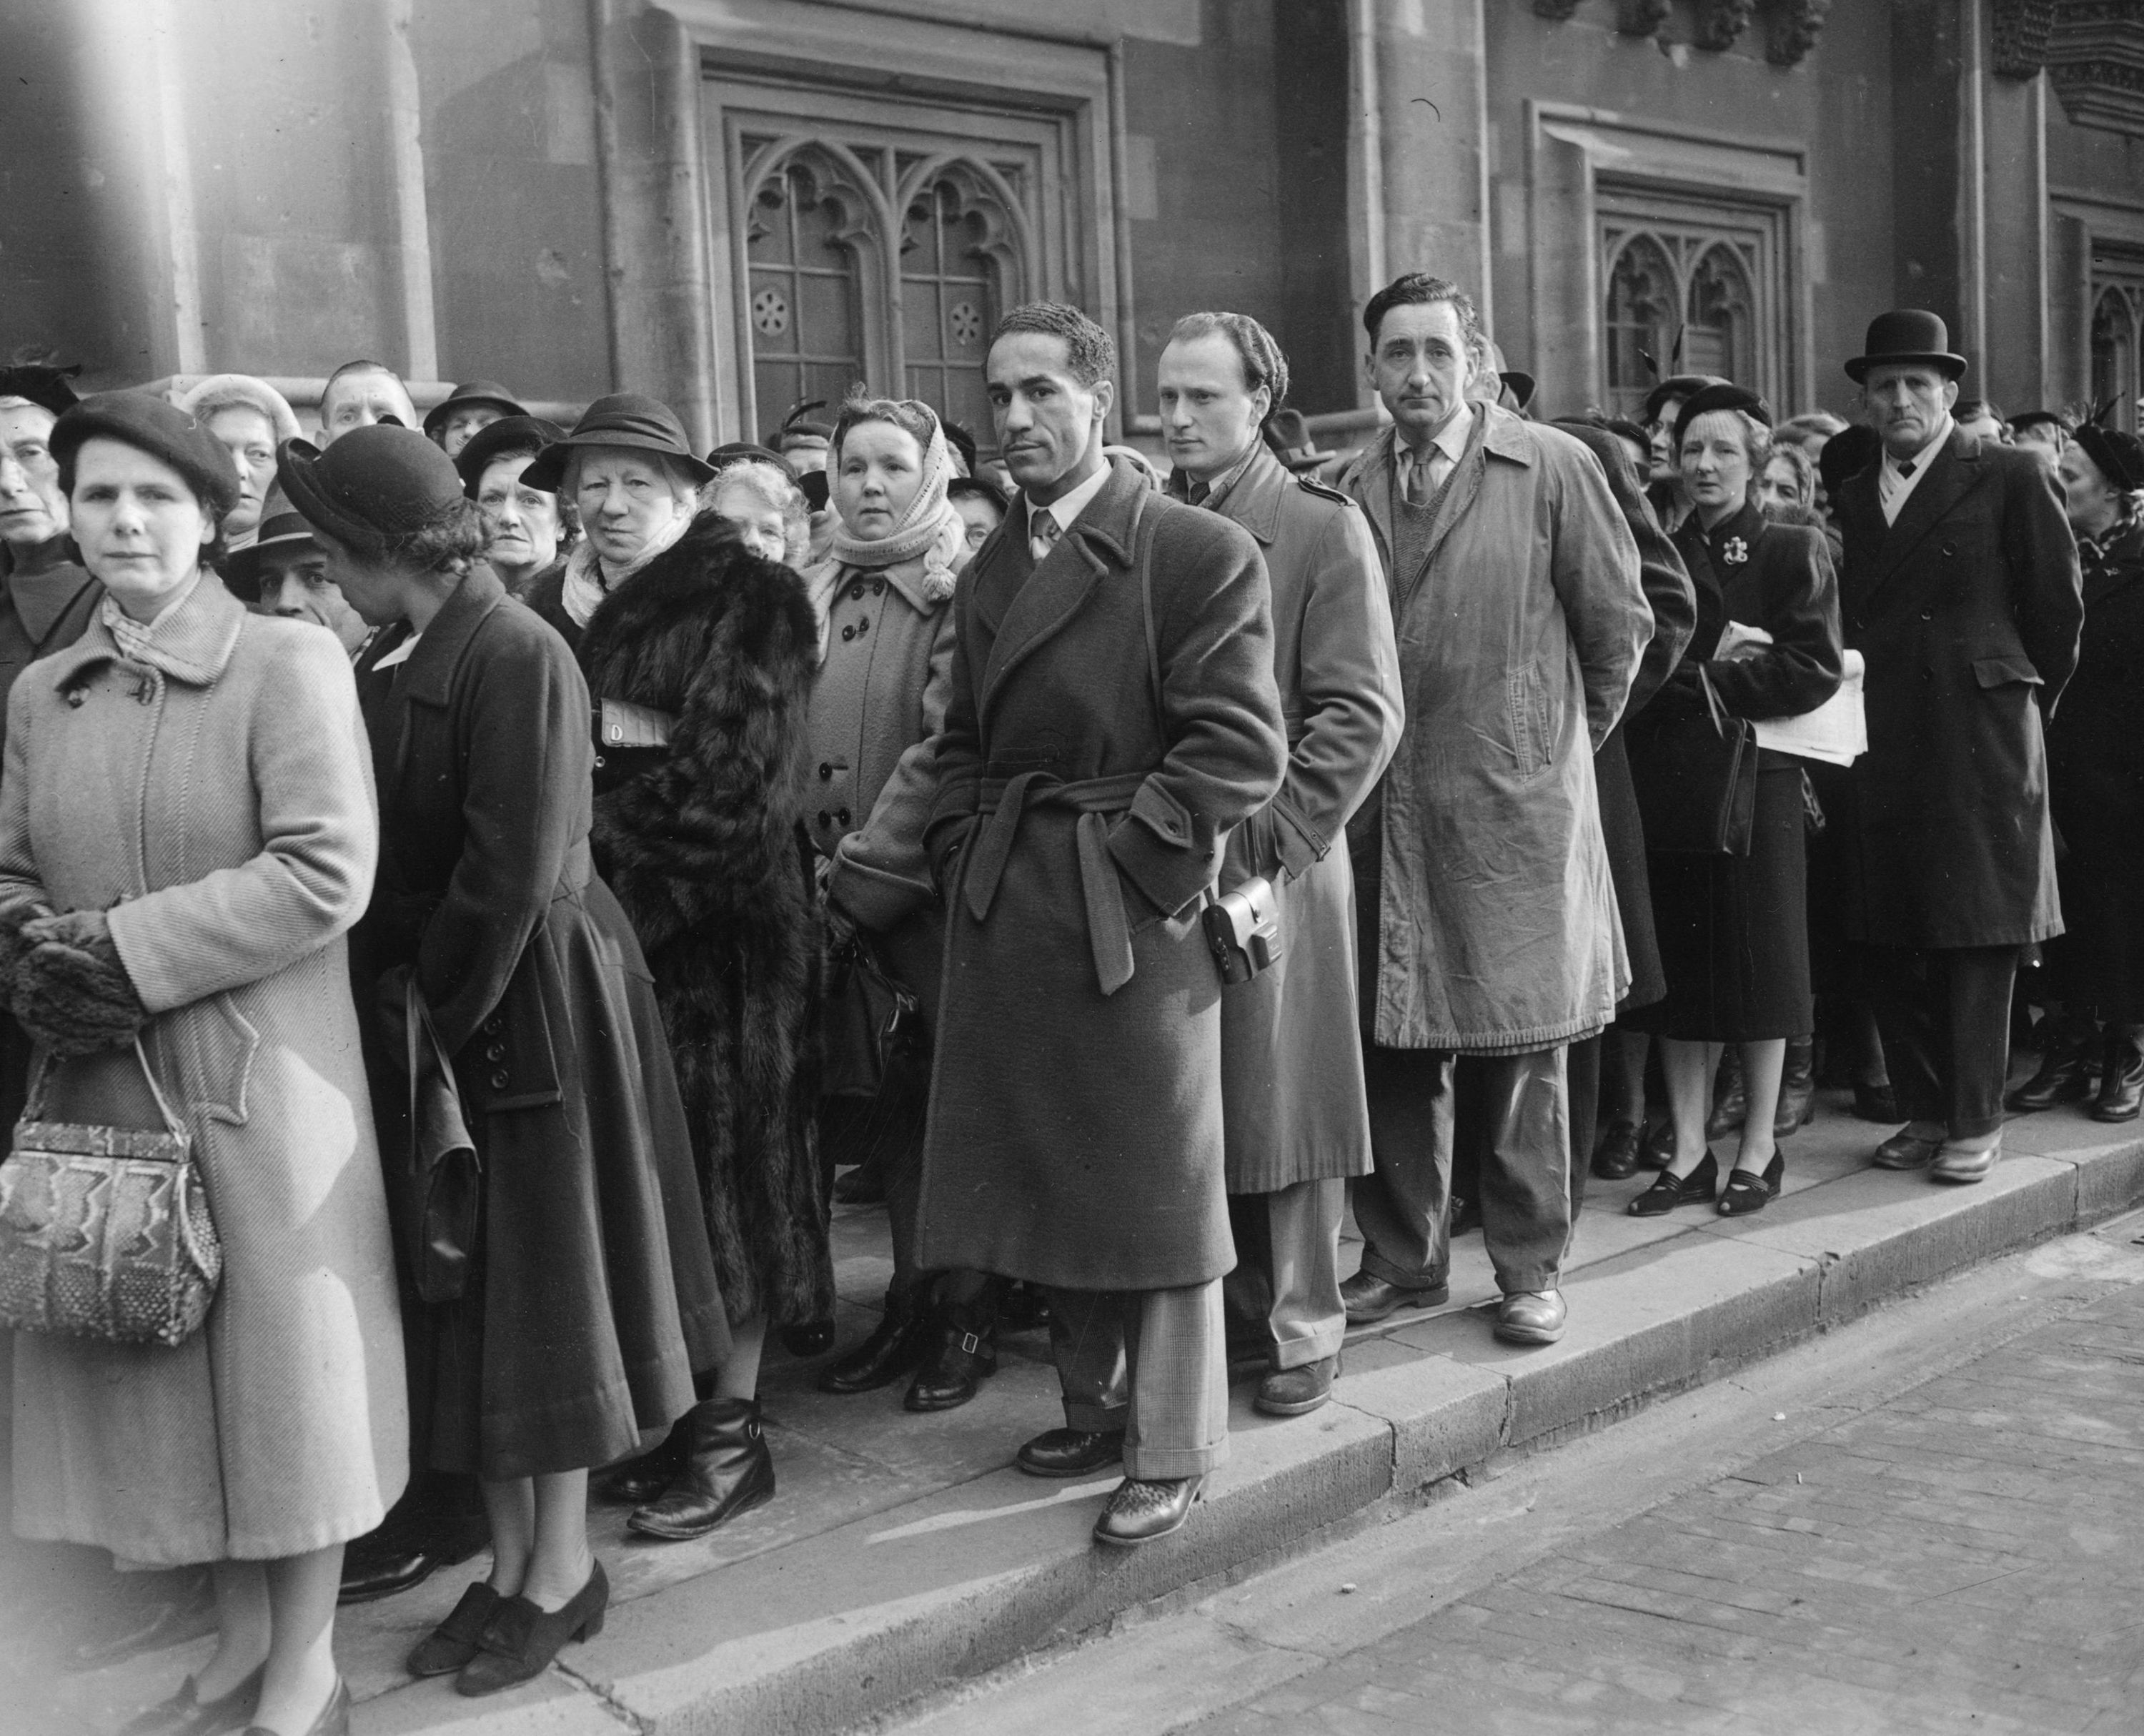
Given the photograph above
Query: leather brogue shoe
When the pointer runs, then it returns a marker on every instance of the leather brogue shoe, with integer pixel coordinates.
(407, 1550)
(1963, 1165)
(1140, 1510)
(1299, 1391)
(2121, 1082)
(1531, 1317)
(897, 1346)
(727, 1470)
(1369, 1298)
(186, 1713)
(952, 1373)
(1906, 1149)
(1071, 1452)
(1616, 1157)
(1669, 1190)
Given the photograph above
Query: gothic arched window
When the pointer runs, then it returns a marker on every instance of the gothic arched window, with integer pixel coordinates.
(2114, 351)
(950, 293)
(805, 308)
(1720, 316)
(1686, 294)
(1643, 304)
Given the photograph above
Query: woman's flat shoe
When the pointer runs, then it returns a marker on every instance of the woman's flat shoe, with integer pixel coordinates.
(184, 1713)
(332, 1721)
(1668, 1191)
(520, 1640)
(451, 1644)
(1746, 1193)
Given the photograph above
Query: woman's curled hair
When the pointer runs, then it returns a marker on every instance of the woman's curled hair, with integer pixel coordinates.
(913, 419)
(451, 542)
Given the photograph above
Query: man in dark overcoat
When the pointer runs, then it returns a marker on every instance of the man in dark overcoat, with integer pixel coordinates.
(1114, 717)
(1960, 586)
(1488, 916)
(1297, 1120)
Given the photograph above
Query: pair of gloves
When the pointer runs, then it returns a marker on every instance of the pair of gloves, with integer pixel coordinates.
(65, 981)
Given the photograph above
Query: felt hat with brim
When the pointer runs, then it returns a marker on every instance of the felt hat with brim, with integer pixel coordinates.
(1847, 453)
(282, 526)
(373, 487)
(488, 392)
(1902, 337)
(1724, 396)
(2120, 456)
(154, 425)
(2038, 418)
(628, 422)
(44, 386)
(1519, 385)
(1676, 385)
(503, 438)
(1296, 445)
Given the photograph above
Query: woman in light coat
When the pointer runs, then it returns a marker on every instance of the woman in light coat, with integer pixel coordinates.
(188, 788)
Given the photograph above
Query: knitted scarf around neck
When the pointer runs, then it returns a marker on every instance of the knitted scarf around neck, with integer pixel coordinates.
(931, 527)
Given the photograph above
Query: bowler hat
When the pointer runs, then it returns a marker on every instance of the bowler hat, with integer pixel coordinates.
(42, 386)
(374, 485)
(1676, 385)
(624, 419)
(282, 526)
(2120, 456)
(477, 391)
(154, 425)
(1906, 334)
(1726, 395)
(1847, 453)
(505, 437)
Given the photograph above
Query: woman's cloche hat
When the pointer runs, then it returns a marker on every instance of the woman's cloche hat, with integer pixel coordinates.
(1906, 334)
(154, 425)
(373, 485)
(626, 420)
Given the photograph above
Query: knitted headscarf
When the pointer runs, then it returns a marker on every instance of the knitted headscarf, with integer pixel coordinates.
(931, 527)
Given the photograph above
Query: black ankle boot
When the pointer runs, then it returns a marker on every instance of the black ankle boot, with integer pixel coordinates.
(2121, 1079)
(1797, 1106)
(727, 1470)
(2066, 1068)
(965, 1352)
(901, 1339)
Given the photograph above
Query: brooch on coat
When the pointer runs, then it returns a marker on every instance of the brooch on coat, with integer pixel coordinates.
(1736, 553)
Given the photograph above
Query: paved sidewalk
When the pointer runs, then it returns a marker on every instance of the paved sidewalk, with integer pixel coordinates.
(903, 1552)
(1969, 1555)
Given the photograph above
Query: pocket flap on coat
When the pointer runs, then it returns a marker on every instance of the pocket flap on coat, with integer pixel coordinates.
(1999, 672)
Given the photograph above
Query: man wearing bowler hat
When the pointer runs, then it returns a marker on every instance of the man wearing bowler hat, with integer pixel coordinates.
(1960, 587)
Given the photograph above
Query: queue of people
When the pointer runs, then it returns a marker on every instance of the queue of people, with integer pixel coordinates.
(536, 859)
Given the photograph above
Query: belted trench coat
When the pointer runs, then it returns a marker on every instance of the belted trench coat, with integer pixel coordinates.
(1520, 631)
(1291, 1044)
(1075, 1129)
(1967, 610)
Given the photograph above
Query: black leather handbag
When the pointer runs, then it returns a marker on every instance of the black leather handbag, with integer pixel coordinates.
(1695, 779)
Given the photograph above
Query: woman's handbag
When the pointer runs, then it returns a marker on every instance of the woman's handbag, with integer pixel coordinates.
(104, 1232)
(443, 1161)
(887, 1126)
(630, 739)
(1697, 781)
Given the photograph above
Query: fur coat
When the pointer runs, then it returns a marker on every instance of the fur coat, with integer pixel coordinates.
(705, 851)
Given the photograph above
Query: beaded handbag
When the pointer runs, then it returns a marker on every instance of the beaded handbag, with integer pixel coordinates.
(104, 1232)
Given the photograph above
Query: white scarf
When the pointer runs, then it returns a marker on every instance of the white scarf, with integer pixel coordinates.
(587, 581)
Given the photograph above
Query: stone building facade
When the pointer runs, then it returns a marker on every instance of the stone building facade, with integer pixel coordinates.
(740, 204)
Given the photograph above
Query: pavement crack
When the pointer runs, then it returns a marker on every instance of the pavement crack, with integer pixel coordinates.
(610, 1701)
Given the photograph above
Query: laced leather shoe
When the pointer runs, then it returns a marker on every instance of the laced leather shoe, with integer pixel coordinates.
(1960, 1165)
(1531, 1317)
(1369, 1298)
(1297, 1391)
(1071, 1452)
(1141, 1510)
(1906, 1149)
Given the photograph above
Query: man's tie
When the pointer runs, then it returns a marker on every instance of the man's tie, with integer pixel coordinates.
(1907, 466)
(1417, 478)
(1043, 531)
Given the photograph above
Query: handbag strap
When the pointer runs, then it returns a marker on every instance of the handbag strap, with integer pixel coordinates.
(34, 1102)
(417, 1017)
(1712, 702)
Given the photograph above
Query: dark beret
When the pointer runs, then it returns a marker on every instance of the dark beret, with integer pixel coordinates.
(505, 437)
(2120, 456)
(1724, 396)
(741, 452)
(1847, 453)
(154, 425)
(371, 486)
(42, 386)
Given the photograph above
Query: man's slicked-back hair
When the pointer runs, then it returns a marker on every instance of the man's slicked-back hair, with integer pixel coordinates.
(363, 366)
(1091, 357)
(1264, 364)
(1418, 288)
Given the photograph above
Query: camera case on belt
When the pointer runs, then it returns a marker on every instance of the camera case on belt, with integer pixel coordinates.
(1242, 928)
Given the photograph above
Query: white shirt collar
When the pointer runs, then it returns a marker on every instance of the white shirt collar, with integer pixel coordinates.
(1066, 508)
(1920, 459)
(1451, 439)
(1893, 485)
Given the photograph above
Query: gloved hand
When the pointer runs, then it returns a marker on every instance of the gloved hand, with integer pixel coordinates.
(71, 989)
